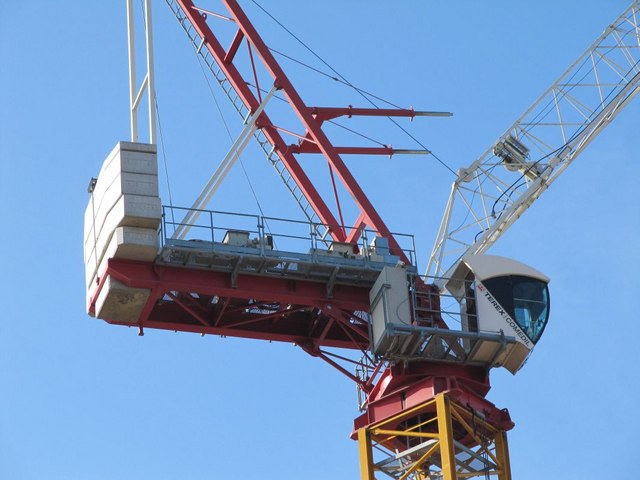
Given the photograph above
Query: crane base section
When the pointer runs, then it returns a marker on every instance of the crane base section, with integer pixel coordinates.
(438, 439)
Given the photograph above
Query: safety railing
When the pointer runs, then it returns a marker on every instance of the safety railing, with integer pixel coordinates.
(212, 227)
(443, 328)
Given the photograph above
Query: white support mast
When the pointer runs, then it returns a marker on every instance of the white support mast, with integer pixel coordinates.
(492, 193)
(148, 82)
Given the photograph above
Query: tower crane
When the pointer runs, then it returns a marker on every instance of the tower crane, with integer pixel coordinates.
(331, 284)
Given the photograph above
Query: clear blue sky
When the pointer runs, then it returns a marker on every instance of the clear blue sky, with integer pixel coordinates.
(80, 399)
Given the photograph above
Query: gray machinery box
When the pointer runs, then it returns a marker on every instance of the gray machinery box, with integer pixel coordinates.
(390, 305)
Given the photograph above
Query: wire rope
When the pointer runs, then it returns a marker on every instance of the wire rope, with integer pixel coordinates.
(164, 159)
(226, 126)
(348, 83)
(325, 74)
(513, 186)
(160, 135)
(333, 122)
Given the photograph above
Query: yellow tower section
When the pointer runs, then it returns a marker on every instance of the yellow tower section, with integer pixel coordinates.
(439, 439)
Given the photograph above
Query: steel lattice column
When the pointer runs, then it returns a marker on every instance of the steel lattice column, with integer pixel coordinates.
(438, 439)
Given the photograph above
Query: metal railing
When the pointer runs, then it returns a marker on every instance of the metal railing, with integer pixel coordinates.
(273, 233)
(427, 337)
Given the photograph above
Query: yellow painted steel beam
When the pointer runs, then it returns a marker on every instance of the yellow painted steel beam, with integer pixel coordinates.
(478, 440)
(403, 433)
(462, 411)
(420, 461)
(493, 442)
(422, 424)
(401, 416)
(502, 450)
(366, 455)
(447, 452)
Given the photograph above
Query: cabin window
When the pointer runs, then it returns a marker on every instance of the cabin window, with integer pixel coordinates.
(470, 303)
(525, 299)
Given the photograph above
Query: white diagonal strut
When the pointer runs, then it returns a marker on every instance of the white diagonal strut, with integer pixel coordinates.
(223, 169)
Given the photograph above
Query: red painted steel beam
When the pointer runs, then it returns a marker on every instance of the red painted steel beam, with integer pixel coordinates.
(404, 387)
(189, 308)
(158, 322)
(328, 113)
(334, 364)
(261, 308)
(233, 48)
(313, 127)
(307, 147)
(251, 102)
(356, 230)
(309, 327)
(150, 275)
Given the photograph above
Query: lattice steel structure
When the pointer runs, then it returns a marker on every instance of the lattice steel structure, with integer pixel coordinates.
(491, 193)
(438, 439)
(424, 405)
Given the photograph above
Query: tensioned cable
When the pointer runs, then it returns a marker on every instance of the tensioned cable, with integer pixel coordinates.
(226, 126)
(333, 122)
(348, 83)
(317, 70)
(606, 101)
(164, 150)
(541, 114)
(164, 158)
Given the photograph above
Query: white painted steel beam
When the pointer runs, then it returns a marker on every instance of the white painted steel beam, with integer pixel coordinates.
(487, 198)
(148, 83)
(221, 172)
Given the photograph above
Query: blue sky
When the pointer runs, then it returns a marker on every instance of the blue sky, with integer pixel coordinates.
(80, 399)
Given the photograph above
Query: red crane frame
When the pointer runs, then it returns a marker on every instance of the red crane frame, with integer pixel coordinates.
(314, 140)
(296, 311)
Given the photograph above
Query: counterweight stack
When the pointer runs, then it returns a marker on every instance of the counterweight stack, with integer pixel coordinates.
(121, 222)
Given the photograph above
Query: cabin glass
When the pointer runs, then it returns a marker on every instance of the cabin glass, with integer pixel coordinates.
(525, 299)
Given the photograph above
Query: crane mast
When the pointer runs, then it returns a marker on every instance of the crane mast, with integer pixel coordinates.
(423, 385)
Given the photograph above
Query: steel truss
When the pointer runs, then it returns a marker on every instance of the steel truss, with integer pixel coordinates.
(245, 94)
(426, 419)
(273, 309)
(492, 193)
(300, 311)
(315, 315)
(438, 439)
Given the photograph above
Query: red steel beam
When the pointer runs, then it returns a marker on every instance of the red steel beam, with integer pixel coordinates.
(225, 62)
(160, 323)
(265, 308)
(307, 147)
(233, 48)
(388, 395)
(310, 117)
(356, 230)
(328, 113)
(313, 127)
(149, 275)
